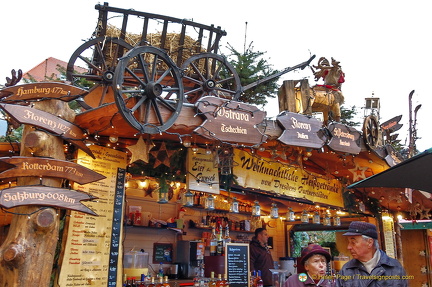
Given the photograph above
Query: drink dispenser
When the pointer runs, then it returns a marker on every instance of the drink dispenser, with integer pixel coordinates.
(135, 263)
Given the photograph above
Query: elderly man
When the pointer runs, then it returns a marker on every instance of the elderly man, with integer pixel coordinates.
(370, 266)
(260, 256)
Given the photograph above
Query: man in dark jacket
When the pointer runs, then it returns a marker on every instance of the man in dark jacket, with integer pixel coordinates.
(260, 256)
(370, 266)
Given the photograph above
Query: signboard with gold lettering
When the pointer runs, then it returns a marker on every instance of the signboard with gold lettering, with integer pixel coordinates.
(46, 121)
(41, 90)
(202, 174)
(92, 254)
(280, 178)
(344, 139)
(38, 166)
(300, 130)
(230, 120)
(45, 196)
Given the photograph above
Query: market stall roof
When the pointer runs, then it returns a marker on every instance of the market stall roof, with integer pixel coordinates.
(412, 173)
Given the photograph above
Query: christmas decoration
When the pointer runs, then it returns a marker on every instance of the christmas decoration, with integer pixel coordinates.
(162, 156)
(140, 151)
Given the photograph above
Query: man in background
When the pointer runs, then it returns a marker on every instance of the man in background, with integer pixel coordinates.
(260, 256)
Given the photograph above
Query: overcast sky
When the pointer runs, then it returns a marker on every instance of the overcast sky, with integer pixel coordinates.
(382, 46)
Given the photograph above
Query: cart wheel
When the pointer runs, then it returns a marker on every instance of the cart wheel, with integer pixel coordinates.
(209, 74)
(148, 89)
(96, 61)
(371, 131)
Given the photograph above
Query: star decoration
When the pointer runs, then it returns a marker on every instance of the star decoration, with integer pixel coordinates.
(162, 156)
(425, 214)
(423, 270)
(358, 172)
(140, 151)
(422, 253)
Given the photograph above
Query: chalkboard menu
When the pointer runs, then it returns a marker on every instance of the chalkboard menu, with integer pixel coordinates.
(237, 264)
(162, 253)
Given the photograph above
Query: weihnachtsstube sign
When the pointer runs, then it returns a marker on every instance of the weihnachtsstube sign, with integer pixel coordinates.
(279, 178)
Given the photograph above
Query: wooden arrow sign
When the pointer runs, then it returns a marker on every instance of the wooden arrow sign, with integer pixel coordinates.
(228, 120)
(38, 166)
(42, 90)
(300, 130)
(67, 130)
(45, 196)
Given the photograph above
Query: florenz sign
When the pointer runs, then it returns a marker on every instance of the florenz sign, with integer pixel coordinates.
(46, 121)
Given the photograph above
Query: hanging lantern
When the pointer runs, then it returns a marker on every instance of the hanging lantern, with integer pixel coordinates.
(163, 197)
(210, 202)
(316, 218)
(235, 206)
(274, 212)
(188, 198)
(305, 217)
(327, 221)
(290, 215)
(256, 209)
(336, 220)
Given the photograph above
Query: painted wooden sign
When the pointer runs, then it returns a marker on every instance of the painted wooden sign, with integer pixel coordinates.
(202, 174)
(230, 120)
(46, 121)
(392, 124)
(38, 166)
(45, 196)
(42, 90)
(344, 139)
(300, 130)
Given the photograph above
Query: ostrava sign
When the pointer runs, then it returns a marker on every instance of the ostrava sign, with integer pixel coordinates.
(230, 120)
(38, 166)
(45, 195)
(48, 90)
(46, 121)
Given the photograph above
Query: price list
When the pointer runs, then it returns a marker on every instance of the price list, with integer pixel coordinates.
(91, 255)
(237, 264)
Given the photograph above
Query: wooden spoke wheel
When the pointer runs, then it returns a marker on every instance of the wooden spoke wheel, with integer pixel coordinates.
(148, 89)
(95, 62)
(209, 74)
(371, 132)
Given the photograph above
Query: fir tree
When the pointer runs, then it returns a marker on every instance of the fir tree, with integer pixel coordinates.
(251, 67)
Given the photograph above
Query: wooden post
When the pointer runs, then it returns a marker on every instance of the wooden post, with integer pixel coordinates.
(27, 254)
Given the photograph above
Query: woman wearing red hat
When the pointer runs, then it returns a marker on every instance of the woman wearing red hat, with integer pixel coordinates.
(314, 258)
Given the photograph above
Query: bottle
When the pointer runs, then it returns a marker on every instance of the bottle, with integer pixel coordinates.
(219, 281)
(152, 282)
(166, 282)
(213, 242)
(212, 282)
(129, 282)
(160, 283)
(258, 280)
(161, 271)
(227, 238)
(252, 278)
(133, 282)
(143, 280)
(220, 245)
(225, 281)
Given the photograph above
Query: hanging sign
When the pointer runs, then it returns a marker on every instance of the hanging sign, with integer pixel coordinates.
(202, 174)
(344, 139)
(279, 178)
(41, 90)
(230, 120)
(46, 121)
(38, 166)
(392, 124)
(45, 196)
(300, 130)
